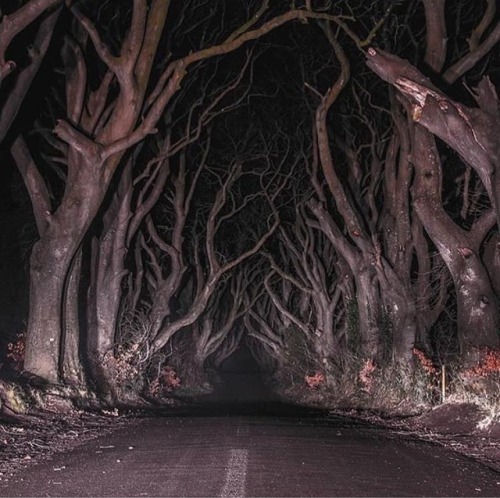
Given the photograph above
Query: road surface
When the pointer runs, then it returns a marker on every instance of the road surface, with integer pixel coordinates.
(267, 450)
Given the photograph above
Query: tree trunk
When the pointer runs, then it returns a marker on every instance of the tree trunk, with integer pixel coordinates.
(109, 273)
(323, 338)
(50, 262)
(71, 368)
(50, 265)
(369, 311)
(100, 339)
(365, 280)
(491, 258)
(477, 306)
(404, 329)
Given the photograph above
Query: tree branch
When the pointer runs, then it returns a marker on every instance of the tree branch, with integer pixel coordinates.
(25, 77)
(34, 182)
(473, 57)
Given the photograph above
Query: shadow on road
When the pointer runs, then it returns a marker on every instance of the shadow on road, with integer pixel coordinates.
(241, 390)
(243, 394)
(211, 407)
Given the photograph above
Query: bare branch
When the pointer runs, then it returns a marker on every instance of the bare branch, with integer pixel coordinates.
(435, 23)
(34, 182)
(14, 23)
(25, 77)
(471, 59)
(101, 48)
(76, 79)
(282, 309)
(484, 24)
(78, 141)
(250, 23)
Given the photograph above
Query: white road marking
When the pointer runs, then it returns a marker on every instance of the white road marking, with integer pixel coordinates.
(236, 474)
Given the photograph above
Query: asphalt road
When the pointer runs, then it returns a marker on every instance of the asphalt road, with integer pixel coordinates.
(266, 450)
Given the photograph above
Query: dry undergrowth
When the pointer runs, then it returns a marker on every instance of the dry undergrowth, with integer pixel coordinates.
(38, 437)
(410, 402)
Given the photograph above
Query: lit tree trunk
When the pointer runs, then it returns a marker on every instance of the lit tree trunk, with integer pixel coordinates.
(431, 285)
(120, 225)
(71, 367)
(50, 264)
(476, 302)
(491, 258)
(390, 256)
(10, 27)
(47, 283)
(308, 263)
(91, 166)
(369, 309)
(364, 273)
(477, 305)
(109, 271)
(356, 248)
(401, 311)
(395, 268)
(44, 324)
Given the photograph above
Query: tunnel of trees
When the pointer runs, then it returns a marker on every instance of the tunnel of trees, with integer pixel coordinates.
(317, 183)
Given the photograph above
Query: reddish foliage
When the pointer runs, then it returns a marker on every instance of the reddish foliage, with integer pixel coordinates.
(166, 381)
(489, 364)
(425, 362)
(315, 380)
(366, 374)
(17, 351)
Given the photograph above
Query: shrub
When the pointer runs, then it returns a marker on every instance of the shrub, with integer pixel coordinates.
(479, 385)
(487, 365)
(16, 352)
(365, 377)
(164, 382)
(316, 380)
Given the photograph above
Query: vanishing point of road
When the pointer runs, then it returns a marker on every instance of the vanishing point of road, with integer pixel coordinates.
(270, 451)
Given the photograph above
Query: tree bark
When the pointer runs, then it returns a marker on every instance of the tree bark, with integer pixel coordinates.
(477, 305)
(362, 266)
(469, 132)
(13, 24)
(46, 295)
(491, 259)
(51, 261)
(71, 369)
(16, 96)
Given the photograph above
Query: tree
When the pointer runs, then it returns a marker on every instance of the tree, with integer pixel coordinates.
(108, 111)
(463, 129)
(18, 78)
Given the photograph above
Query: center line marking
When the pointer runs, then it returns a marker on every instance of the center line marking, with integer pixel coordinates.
(236, 474)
